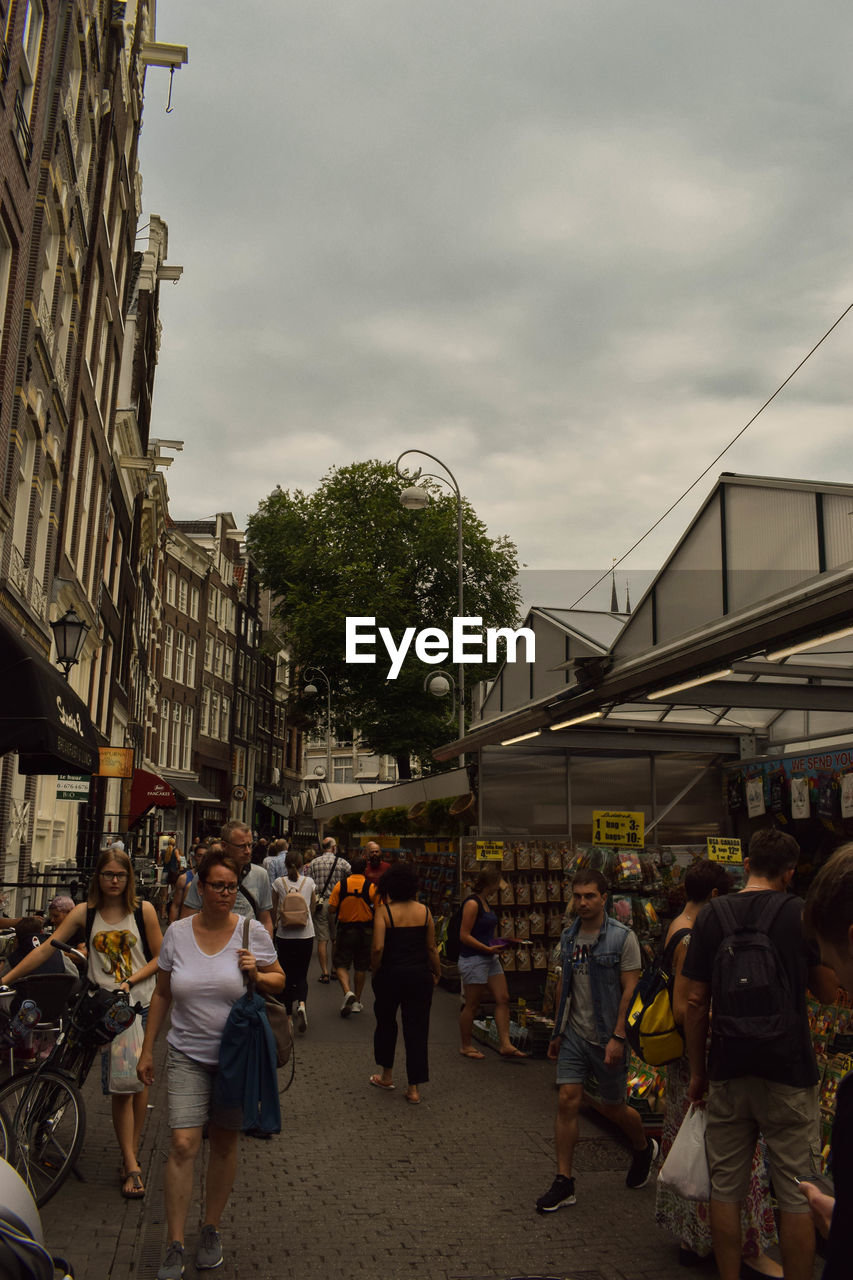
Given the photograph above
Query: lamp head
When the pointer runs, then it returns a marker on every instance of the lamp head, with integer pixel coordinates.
(69, 634)
(310, 689)
(438, 686)
(415, 498)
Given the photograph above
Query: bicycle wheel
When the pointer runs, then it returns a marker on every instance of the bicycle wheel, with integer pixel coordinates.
(42, 1122)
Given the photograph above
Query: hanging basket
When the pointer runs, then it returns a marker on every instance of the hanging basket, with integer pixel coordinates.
(366, 818)
(462, 805)
(417, 811)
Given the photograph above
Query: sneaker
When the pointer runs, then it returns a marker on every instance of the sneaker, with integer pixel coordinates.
(347, 1006)
(301, 1018)
(209, 1254)
(173, 1263)
(357, 1007)
(560, 1192)
(641, 1166)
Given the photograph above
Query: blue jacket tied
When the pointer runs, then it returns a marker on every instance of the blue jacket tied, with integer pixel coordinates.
(605, 975)
(245, 1088)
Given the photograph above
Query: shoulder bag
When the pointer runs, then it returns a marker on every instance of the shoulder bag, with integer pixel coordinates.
(276, 1014)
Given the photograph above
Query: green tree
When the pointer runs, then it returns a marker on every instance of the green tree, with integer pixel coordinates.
(350, 549)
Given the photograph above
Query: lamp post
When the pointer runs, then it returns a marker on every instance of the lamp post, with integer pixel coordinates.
(310, 688)
(415, 498)
(69, 634)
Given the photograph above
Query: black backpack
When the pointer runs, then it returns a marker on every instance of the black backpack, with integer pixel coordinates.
(347, 892)
(451, 938)
(751, 996)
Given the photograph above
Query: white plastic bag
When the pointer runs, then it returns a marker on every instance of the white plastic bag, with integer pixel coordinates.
(124, 1055)
(686, 1167)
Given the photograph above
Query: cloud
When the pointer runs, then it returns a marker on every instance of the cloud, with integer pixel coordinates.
(568, 249)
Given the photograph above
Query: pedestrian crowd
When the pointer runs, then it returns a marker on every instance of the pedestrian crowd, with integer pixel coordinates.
(740, 965)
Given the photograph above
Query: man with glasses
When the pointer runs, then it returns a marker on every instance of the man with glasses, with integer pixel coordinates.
(254, 898)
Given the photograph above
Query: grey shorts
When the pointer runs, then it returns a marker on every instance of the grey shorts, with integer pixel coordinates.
(579, 1058)
(190, 1089)
(324, 928)
(788, 1117)
(476, 970)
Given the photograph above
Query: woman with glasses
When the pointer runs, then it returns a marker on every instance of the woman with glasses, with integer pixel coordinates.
(123, 940)
(203, 969)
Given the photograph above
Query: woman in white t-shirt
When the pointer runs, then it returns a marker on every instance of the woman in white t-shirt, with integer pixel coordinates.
(293, 942)
(203, 969)
(118, 958)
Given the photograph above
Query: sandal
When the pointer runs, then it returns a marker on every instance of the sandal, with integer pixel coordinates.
(514, 1055)
(324, 977)
(379, 1083)
(410, 1097)
(471, 1052)
(137, 1190)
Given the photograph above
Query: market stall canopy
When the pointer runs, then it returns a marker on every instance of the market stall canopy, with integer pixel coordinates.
(41, 717)
(436, 786)
(192, 790)
(146, 792)
(283, 810)
(744, 638)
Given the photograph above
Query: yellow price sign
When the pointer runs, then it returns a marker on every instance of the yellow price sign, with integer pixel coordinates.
(723, 849)
(490, 850)
(621, 829)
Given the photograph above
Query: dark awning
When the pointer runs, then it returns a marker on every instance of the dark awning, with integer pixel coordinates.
(41, 716)
(147, 791)
(189, 789)
(283, 810)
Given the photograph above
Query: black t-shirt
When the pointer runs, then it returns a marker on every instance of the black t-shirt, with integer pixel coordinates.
(54, 962)
(792, 1060)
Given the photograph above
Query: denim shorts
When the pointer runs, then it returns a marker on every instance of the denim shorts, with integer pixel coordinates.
(190, 1088)
(476, 970)
(578, 1058)
(105, 1058)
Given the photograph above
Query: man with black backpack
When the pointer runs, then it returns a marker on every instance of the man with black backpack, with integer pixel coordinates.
(748, 966)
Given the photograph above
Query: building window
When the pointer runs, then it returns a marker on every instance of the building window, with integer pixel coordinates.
(180, 641)
(217, 666)
(170, 587)
(31, 41)
(191, 656)
(186, 758)
(5, 274)
(225, 722)
(182, 595)
(214, 714)
(164, 733)
(168, 643)
(194, 602)
(208, 653)
(175, 753)
(229, 664)
(204, 725)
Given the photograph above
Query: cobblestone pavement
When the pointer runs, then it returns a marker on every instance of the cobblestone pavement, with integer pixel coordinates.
(360, 1184)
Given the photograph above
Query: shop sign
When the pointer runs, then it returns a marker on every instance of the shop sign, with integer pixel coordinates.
(72, 786)
(721, 849)
(490, 850)
(387, 842)
(621, 830)
(436, 846)
(115, 762)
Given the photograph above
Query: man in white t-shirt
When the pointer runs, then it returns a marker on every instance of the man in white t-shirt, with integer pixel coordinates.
(254, 898)
(601, 965)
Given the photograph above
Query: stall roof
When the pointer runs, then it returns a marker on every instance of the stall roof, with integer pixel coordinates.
(436, 786)
(765, 566)
(191, 789)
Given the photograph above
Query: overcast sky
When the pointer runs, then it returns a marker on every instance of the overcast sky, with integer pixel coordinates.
(569, 248)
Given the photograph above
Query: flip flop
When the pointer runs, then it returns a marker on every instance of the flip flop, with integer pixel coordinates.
(472, 1053)
(414, 1101)
(137, 1191)
(515, 1056)
(379, 1083)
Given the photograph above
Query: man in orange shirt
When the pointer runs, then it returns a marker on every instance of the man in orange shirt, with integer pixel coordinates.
(352, 901)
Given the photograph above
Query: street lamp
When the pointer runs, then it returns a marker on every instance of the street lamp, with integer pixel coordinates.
(439, 683)
(69, 634)
(415, 498)
(310, 688)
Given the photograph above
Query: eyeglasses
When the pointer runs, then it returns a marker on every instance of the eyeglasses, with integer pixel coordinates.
(118, 876)
(221, 886)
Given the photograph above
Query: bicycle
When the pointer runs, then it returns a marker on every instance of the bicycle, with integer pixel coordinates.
(42, 1112)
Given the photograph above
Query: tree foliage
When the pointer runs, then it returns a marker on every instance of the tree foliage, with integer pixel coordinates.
(350, 549)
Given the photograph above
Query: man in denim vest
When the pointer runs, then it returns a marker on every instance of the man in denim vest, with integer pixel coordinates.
(600, 969)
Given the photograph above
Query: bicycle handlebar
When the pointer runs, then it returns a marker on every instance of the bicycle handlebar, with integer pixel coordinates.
(71, 951)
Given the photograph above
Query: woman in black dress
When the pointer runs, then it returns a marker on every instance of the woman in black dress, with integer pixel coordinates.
(406, 968)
